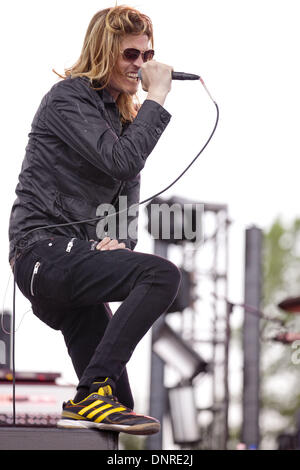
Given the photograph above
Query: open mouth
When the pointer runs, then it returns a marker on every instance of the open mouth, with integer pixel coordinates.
(132, 76)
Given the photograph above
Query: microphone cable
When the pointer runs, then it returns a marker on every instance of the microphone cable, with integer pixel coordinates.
(94, 219)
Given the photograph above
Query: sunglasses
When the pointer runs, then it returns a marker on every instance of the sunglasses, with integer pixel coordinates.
(131, 55)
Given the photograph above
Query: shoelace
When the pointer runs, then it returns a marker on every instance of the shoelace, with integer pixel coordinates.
(113, 398)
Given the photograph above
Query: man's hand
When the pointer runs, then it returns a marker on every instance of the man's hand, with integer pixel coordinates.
(109, 244)
(157, 79)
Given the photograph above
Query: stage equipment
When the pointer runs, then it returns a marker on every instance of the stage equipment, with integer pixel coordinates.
(5, 340)
(176, 352)
(290, 305)
(38, 398)
(183, 412)
(204, 326)
(251, 337)
(47, 438)
(286, 338)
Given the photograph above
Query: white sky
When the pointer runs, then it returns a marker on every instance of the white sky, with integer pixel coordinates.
(247, 52)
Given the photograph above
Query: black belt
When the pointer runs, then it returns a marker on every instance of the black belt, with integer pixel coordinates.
(26, 242)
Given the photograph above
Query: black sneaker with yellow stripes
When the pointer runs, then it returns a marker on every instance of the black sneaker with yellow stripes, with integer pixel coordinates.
(101, 410)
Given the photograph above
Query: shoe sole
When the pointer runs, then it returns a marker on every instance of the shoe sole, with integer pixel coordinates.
(138, 429)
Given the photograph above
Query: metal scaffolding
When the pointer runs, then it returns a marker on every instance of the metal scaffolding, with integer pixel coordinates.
(205, 326)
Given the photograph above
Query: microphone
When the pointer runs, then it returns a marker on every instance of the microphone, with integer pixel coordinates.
(177, 76)
(185, 76)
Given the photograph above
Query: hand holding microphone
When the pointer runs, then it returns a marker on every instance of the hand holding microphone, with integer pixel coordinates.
(178, 76)
(156, 79)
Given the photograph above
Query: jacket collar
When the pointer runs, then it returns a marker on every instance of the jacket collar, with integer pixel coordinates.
(104, 93)
(106, 96)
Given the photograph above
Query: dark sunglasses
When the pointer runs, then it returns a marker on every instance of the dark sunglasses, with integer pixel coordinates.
(131, 55)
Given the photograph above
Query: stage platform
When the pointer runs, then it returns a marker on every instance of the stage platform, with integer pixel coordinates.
(35, 438)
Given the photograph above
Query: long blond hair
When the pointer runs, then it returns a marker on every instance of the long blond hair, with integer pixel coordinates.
(101, 48)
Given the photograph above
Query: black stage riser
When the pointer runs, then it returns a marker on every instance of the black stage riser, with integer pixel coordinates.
(35, 438)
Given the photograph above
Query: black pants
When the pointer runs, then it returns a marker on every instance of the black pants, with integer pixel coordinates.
(69, 284)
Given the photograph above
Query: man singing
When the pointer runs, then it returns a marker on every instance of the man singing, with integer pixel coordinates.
(87, 146)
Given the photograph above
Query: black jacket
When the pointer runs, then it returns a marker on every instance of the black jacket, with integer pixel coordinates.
(78, 157)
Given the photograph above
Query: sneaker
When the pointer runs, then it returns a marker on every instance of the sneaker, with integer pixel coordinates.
(101, 410)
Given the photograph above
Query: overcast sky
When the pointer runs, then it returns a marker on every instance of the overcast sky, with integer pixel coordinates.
(247, 52)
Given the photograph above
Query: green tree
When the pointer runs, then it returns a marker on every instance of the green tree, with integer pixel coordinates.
(280, 375)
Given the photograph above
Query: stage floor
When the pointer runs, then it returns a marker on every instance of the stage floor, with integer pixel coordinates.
(41, 438)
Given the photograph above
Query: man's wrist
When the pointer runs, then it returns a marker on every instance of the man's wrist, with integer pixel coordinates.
(157, 96)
